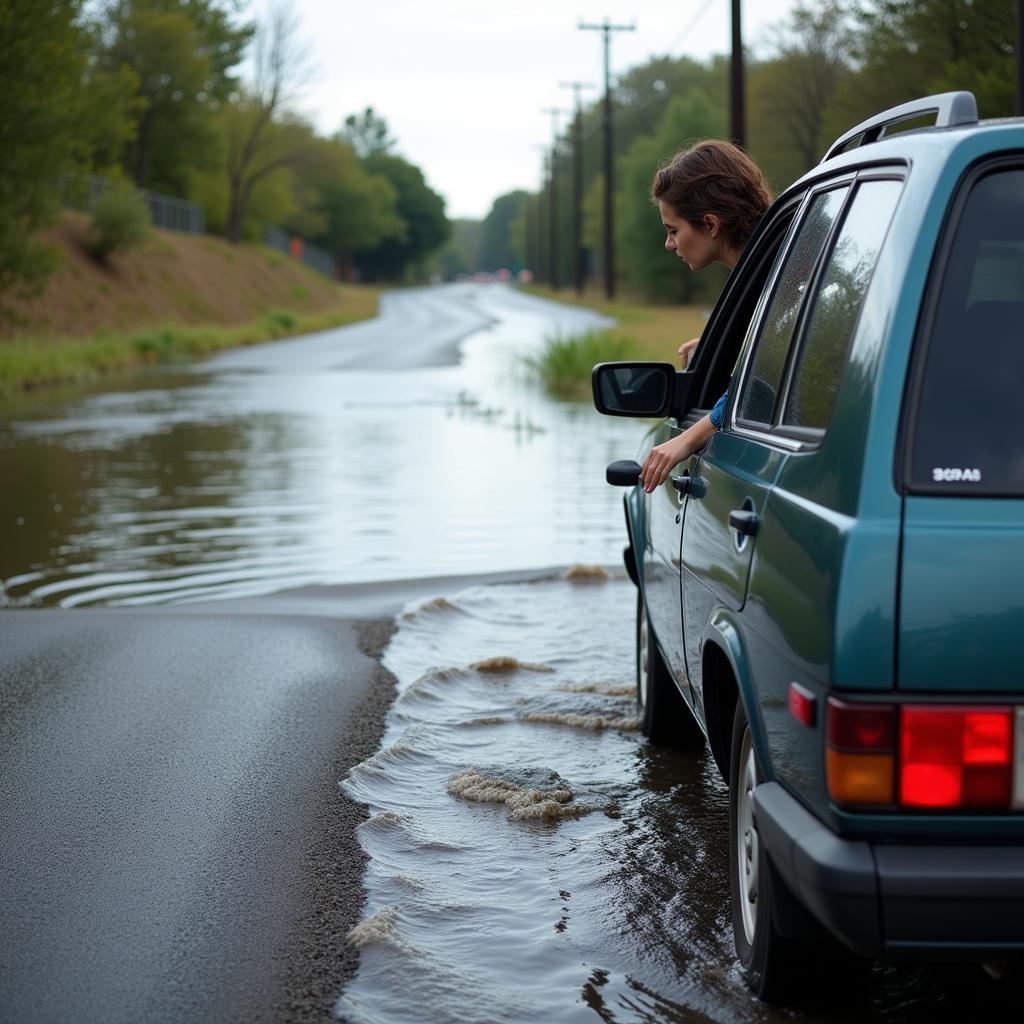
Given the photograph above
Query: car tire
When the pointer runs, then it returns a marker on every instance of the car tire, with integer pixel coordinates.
(768, 960)
(660, 710)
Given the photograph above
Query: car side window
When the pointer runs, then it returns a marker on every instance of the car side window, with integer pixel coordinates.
(836, 305)
(761, 385)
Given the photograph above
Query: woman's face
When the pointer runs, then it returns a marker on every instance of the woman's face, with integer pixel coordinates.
(694, 246)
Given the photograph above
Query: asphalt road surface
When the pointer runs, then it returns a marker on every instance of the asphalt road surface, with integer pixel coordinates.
(173, 842)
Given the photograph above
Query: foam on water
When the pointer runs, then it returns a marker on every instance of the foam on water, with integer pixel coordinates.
(533, 858)
(546, 863)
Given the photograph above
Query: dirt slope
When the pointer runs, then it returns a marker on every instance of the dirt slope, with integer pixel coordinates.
(171, 278)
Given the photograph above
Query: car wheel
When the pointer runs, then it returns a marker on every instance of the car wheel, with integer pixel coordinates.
(768, 959)
(660, 710)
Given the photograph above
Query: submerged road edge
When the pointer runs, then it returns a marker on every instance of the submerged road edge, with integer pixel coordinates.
(321, 961)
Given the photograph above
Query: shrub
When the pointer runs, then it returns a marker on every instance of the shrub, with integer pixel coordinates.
(279, 322)
(120, 220)
(564, 364)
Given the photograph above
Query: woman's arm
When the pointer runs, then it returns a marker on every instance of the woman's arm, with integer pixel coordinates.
(663, 457)
(686, 351)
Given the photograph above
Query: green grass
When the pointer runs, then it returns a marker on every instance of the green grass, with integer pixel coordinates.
(643, 332)
(563, 365)
(30, 364)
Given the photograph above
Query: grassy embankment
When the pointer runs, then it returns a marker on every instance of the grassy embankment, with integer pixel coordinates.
(641, 332)
(175, 298)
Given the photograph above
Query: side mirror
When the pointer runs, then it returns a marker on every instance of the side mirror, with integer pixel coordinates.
(650, 390)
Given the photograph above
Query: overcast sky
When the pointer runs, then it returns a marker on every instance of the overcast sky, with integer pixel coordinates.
(462, 83)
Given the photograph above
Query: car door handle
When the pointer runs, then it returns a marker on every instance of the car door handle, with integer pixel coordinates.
(742, 520)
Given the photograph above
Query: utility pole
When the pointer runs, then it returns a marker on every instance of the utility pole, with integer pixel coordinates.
(609, 154)
(577, 185)
(542, 270)
(1019, 57)
(553, 218)
(737, 115)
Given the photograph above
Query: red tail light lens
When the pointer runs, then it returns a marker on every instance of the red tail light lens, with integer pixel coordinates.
(955, 757)
(861, 727)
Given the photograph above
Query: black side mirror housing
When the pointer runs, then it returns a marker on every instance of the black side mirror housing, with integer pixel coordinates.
(648, 390)
(623, 473)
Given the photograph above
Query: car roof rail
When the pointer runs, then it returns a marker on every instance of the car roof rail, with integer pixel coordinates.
(950, 109)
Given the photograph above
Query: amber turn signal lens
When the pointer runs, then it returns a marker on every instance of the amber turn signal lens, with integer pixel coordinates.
(860, 778)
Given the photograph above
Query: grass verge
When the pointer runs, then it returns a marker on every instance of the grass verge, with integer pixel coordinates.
(27, 364)
(642, 332)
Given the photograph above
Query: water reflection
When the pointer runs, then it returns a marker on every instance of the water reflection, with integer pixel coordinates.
(305, 462)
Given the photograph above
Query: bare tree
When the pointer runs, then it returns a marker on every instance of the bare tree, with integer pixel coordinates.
(811, 56)
(261, 136)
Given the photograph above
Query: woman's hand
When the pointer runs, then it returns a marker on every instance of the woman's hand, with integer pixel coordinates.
(662, 457)
(660, 460)
(686, 351)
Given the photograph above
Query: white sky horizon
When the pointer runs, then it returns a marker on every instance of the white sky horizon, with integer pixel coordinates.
(462, 85)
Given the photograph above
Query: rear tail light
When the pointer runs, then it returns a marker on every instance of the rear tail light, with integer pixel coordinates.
(938, 757)
(860, 752)
(956, 757)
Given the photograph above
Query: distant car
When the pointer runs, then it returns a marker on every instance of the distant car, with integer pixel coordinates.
(832, 589)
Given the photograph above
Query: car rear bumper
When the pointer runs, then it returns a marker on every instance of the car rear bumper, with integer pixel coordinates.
(896, 901)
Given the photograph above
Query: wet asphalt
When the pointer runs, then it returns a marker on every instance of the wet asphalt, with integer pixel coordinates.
(175, 846)
(173, 842)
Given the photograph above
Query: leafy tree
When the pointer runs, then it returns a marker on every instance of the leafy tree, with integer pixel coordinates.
(181, 53)
(792, 92)
(642, 260)
(496, 248)
(343, 206)
(57, 112)
(461, 253)
(910, 48)
(367, 133)
(422, 210)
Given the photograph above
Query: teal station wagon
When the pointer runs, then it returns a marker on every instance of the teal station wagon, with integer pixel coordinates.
(833, 589)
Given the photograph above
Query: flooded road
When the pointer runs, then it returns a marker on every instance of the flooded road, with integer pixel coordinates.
(533, 858)
(359, 454)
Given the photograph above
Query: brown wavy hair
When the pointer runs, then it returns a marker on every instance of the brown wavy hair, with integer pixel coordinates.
(716, 177)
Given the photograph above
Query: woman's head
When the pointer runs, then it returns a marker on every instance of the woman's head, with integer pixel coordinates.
(711, 196)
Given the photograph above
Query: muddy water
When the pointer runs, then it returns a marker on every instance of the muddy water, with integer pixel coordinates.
(409, 446)
(533, 859)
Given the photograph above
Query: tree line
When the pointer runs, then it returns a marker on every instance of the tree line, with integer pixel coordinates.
(828, 66)
(151, 92)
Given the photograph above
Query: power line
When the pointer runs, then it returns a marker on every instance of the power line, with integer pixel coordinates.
(649, 94)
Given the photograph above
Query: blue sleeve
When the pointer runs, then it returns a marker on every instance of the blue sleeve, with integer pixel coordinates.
(718, 413)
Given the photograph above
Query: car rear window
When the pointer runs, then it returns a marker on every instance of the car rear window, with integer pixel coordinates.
(968, 426)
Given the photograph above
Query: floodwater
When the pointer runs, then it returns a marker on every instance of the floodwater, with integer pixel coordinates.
(534, 859)
(360, 454)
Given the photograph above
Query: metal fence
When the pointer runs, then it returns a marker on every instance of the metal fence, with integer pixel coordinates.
(166, 212)
(312, 255)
